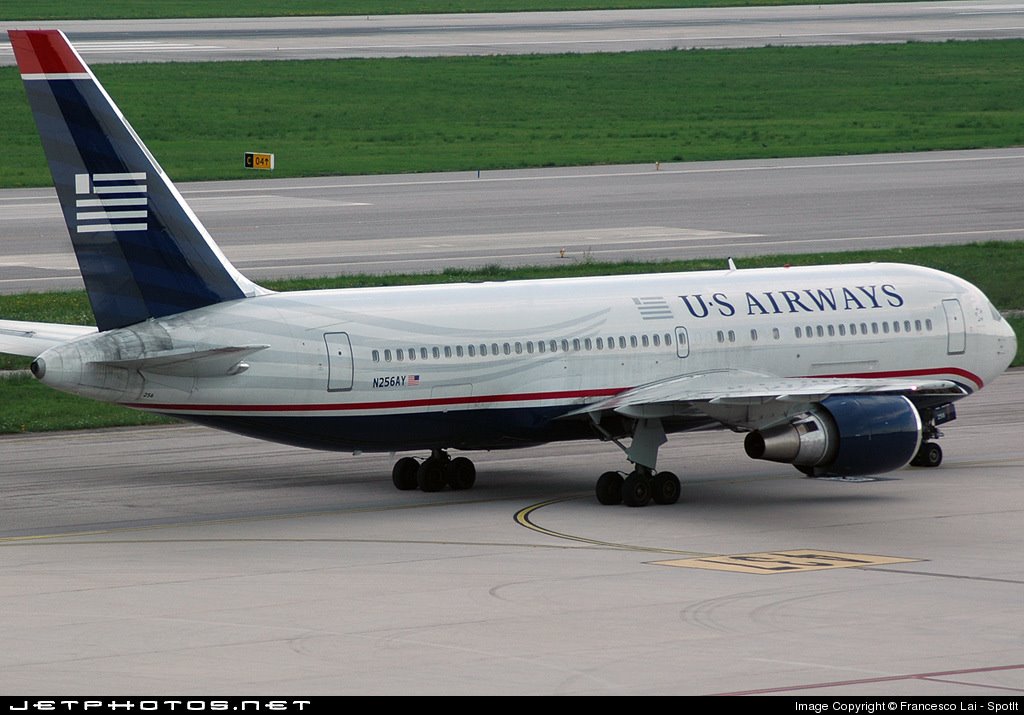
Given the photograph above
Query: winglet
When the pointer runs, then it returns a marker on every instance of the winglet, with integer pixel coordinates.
(143, 253)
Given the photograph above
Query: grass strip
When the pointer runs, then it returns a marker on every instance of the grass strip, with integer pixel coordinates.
(469, 113)
(26, 405)
(133, 9)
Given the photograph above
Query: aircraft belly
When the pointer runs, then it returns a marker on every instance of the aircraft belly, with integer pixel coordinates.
(502, 428)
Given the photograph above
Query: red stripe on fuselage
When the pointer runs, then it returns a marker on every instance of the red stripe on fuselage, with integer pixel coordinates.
(44, 52)
(391, 404)
(480, 399)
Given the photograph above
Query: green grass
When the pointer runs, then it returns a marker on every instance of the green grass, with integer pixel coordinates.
(114, 9)
(441, 114)
(28, 406)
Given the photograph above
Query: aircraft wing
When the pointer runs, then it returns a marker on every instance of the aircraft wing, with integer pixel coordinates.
(18, 337)
(744, 398)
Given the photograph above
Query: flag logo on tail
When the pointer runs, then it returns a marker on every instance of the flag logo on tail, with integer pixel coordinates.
(111, 202)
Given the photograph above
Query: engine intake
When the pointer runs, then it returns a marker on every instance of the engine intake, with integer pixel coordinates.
(845, 435)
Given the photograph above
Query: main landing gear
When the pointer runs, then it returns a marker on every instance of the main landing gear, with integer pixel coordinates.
(643, 484)
(434, 473)
(638, 487)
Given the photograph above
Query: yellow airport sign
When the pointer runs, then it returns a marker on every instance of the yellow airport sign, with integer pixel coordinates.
(259, 160)
(767, 562)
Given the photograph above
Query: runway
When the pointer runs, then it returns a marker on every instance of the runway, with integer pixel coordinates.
(188, 561)
(426, 222)
(532, 32)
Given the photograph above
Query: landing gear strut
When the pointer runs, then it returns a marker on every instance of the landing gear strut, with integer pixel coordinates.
(643, 484)
(434, 473)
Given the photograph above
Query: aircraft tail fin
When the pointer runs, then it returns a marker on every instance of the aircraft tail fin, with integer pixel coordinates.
(143, 253)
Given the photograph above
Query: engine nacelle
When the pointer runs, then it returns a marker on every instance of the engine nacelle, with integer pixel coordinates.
(845, 435)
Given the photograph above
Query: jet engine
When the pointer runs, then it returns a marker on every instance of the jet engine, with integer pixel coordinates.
(844, 435)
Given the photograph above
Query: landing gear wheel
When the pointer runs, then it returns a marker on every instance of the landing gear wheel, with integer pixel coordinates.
(430, 476)
(636, 489)
(666, 488)
(929, 455)
(403, 474)
(609, 488)
(460, 473)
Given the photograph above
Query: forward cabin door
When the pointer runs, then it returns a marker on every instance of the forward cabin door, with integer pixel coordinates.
(957, 341)
(339, 362)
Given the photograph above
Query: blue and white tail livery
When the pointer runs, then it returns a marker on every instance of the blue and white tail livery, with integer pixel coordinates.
(142, 252)
(842, 370)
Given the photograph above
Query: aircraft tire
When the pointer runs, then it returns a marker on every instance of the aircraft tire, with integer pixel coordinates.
(929, 455)
(609, 488)
(403, 474)
(430, 476)
(636, 490)
(666, 488)
(461, 473)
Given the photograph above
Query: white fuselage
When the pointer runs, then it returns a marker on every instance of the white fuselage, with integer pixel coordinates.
(494, 364)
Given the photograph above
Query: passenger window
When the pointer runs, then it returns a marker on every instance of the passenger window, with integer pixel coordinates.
(436, 352)
(471, 350)
(423, 353)
(447, 351)
(376, 355)
(387, 356)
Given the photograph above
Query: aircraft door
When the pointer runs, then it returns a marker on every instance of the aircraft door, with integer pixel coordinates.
(682, 342)
(339, 362)
(957, 341)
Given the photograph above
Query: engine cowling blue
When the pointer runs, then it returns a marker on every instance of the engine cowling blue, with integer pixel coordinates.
(877, 433)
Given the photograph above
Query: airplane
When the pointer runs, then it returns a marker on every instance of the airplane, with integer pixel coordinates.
(840, 370)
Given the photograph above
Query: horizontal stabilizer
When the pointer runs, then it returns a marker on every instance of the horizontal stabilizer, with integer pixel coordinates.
(18, 337)
(214, 362)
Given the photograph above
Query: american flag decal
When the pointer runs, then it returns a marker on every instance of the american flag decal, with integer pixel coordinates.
(653, 308)
(111, 202)
(413, 380)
